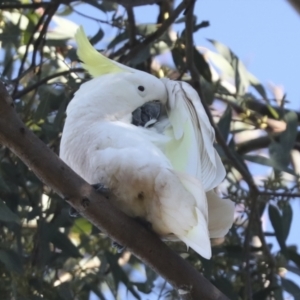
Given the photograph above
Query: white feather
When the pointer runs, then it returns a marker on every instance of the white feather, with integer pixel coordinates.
(191, 149)
(160, 173)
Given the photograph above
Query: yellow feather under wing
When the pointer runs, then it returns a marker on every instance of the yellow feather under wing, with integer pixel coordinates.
(94, 62)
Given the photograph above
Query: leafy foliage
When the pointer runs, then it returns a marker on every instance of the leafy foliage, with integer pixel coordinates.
(44, 253)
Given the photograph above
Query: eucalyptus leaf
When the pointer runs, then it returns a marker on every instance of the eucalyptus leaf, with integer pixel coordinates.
(276, 221)
(11, 260)
(288, 137)
(62, 242)
(6, 215)
(291, 287)
(224, 123)
(202, 65)
(287, 216)
(223, 50)
(268, 162)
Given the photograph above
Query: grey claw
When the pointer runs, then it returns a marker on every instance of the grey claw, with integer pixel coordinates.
(119, 247)
(144, 222)
(73, 212)
(100, 188)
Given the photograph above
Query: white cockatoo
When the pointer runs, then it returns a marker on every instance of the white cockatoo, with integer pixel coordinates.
(149, 141)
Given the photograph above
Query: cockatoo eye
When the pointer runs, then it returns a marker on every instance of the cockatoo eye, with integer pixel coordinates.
(141, 88)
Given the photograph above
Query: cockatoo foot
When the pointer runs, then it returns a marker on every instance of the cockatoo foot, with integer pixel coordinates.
(73, 212)
(147, 114)
(119, 247)
(144, 223)
(100, 188)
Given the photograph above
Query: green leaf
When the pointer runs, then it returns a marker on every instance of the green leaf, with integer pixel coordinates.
(225, 286)
(267, 162)
(264, 293)
(208, 91)
(291, 287)
(11, 260)
(293, 256)
(146, 29)
(258, 86)
(6, 215)
(273, 111)
(118, 39)
(278, 155)
(241, 77)
(105, 6)
(224, 123)
(278, 294)
(62, 242)
(223, 50)
(202, 66)
(220, 63)
(287, 216)
(276, 221)
(97, 37)
(288, 137)
(178, 59)
(81, 225)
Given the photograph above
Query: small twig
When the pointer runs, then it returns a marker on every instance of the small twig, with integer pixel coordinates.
(280, 194)
(158, 33)
(247, 246)
(28, 89)
(131, 26)
(161, 290)
(33, 5)
(95, 19)
(36, 28)
(24, 6)
(38, 41)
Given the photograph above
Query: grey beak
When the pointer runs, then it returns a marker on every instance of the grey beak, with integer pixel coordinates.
(150, 111)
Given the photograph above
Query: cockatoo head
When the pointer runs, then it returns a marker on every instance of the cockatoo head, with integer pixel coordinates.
(116, 90)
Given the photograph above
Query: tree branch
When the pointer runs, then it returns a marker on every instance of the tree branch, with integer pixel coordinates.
(159, 32)
(34, 86)
(131, 3)
(97, 209)
(33, 5)
(295, 4)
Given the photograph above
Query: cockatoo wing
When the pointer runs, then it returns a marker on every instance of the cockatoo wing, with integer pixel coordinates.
(191, 148)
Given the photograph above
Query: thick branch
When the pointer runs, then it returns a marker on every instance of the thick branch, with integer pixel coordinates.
(295, 4)
(97, 209)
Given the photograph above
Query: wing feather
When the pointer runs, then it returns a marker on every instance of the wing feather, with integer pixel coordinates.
(191, 149)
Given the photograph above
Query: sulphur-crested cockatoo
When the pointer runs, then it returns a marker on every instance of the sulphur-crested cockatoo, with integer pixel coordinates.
(150, 143)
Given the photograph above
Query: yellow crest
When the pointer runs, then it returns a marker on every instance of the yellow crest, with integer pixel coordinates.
(94, 62)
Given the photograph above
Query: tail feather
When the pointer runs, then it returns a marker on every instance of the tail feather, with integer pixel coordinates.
(220, 215)
(198, 237)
